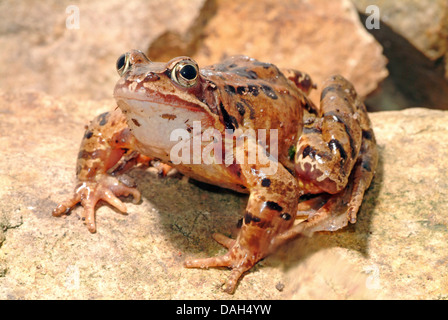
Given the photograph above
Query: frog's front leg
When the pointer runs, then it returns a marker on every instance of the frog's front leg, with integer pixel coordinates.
(106, 149)
(270, 211)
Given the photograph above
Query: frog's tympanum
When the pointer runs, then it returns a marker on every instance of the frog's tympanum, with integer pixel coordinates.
(318, 168)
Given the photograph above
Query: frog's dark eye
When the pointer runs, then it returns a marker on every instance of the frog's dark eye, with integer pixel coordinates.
(185, 73)
(122, 64)
(188, 72)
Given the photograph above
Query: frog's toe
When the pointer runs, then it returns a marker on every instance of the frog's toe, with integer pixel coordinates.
(223, 240)
(238, 259)
(107, 188)
(221, 261)
(65, 206)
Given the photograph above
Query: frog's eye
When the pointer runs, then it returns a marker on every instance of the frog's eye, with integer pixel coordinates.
(185, 73)
(122, 64)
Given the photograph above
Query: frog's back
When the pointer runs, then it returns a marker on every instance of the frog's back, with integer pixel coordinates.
(256, 95)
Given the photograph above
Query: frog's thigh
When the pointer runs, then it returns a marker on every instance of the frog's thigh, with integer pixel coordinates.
(329, 145)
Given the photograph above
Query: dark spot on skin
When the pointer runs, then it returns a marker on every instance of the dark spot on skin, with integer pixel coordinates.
(229, 121)
(242, 90)
(285, 216)
(248, 218)
(269, 91)
(241, 109)
(88, 134)
(273, 206)
(232, 65)
(136, 122)
(309, 151)
(336, 145)
(229, 89)
(251, 109)
(168, 116)
(310, 107)
(243, 72)
(265, 182)
(367, 134)
(347, 130)
(167, 72)
(103, 118)
(253, 89)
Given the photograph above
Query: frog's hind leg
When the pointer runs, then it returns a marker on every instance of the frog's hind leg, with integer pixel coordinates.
(337, 146)
(336, 156)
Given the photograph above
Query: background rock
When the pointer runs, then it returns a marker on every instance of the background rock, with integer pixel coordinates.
(397, 249)
(414, 35)
(319, 37)
(423, 22)
(41, 53)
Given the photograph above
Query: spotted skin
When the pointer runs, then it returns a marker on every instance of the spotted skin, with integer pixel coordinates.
(326, 155)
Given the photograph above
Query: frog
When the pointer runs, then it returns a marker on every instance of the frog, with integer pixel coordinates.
(324, 157)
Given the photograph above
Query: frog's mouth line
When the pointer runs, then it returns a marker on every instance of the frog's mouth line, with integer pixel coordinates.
(143, 104)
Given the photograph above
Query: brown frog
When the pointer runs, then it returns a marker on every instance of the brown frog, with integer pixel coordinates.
(316, 166)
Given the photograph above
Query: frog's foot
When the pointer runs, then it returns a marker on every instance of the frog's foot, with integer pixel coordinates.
(107, 188)
(238, 259)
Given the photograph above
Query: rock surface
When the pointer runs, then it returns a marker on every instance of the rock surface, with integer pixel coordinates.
(397, 249)
(43, 54)
(414, 35)
(423, 22)
(319, 37)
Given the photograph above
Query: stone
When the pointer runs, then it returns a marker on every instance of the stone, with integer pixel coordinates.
(423, 22)
(40, 52)
(321, 38)
(397, 249)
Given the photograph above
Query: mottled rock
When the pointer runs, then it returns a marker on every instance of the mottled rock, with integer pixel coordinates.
(397, 249)
(44, 53)
(39, 51)
(423, 22)
(319, 37)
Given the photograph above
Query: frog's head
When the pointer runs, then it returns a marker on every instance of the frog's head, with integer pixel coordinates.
(158, 98)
